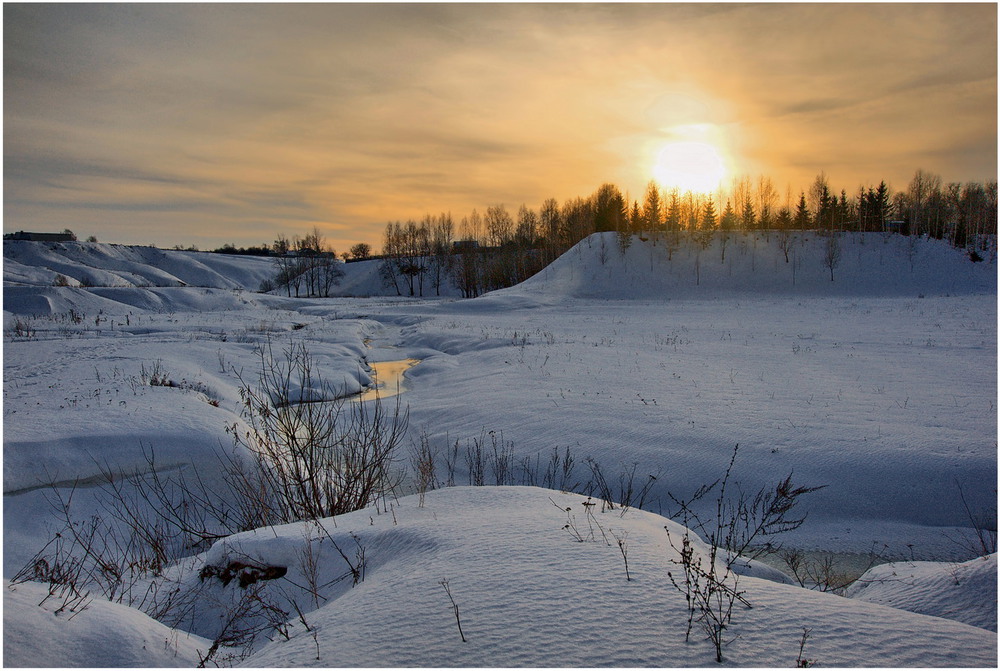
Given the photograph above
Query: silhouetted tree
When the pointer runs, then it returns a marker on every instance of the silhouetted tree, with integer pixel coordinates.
(361, 251)
(729, 221)
(499, 225)
(609, 208)
(802, 218)
(652, 210)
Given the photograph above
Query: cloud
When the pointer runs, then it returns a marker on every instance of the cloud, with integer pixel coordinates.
(351, 115)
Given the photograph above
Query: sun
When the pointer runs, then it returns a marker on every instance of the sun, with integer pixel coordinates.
(690, 166)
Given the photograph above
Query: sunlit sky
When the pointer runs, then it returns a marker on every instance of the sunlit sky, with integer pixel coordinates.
(206, 124)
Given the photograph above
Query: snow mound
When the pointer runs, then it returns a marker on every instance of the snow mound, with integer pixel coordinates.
(101, 634)
(966, 592)
(111, 265)
(539, 582)
(867, 264)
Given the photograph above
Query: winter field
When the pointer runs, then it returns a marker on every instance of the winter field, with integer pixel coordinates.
(880, 386)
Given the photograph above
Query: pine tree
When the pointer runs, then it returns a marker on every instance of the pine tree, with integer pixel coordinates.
(882, 206)
(729, 220)
(652, 214)
(747, 218)
(783, 222)
(802, 218)
(673, 221)
(709, 220)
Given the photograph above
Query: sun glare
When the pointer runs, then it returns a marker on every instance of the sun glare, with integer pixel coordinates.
(689, 166)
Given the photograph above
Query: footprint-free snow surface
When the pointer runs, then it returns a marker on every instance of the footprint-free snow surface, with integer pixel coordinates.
(879, 385)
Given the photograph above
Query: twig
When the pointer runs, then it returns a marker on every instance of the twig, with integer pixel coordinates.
(458, 620)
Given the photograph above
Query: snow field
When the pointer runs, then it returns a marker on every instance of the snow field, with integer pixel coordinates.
(883, 390)
(842, 392)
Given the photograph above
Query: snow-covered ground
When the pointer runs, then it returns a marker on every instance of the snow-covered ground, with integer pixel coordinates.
(880, 385)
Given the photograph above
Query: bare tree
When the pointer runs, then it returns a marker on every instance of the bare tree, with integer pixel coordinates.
(441, 235)
(831, 252)
(361, 251)
(499, 225)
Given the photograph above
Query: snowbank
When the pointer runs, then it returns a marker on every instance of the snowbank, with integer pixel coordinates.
(531, 593)
(96, 634)
(966, 592)
(108, 265)
(537, 580)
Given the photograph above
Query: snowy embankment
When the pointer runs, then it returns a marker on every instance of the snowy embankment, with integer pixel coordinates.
(880, 385)
(101, 635)
(529, 592)
(108, 265)
(762, 264)
(108, 276)
(114, 279)
(963, 591)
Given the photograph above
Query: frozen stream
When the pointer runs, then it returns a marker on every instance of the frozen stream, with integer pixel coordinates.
(388, 377)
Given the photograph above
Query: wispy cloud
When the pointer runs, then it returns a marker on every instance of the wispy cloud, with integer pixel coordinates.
(230, 122)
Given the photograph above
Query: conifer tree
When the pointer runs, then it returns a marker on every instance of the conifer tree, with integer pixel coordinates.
(802, 217)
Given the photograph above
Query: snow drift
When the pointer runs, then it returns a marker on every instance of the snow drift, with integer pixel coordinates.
(528, 592)
(962, 591)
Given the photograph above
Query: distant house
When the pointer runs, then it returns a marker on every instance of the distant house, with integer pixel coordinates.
(41, 237)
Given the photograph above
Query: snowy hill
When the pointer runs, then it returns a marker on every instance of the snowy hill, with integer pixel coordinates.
(107, 265)
(528, 593)
(755, 264)
(867, 264)
(114, 279)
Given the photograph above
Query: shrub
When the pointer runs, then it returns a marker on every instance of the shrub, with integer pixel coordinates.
(314, 454)
(709, 583)
(22, 329)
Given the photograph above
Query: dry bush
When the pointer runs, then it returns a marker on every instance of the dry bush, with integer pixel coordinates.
(292, 461)
(313, 452)
(708, 582)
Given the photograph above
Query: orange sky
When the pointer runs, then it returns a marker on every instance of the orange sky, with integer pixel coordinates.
(205, 124)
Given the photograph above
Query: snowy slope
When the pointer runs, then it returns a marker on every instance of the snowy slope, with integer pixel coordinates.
(737, 264)
(110, 265)
(97, 633)
(529, 593)
(965, 591)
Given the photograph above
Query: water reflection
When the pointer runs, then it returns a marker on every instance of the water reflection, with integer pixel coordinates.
(388, 379)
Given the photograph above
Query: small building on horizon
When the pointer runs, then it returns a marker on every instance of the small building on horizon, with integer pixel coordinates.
(65, 236)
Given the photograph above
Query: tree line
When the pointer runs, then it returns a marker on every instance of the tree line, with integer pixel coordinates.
(307, 265)
(497, 248)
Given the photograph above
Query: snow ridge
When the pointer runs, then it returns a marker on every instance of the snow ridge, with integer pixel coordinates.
(754, 264)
